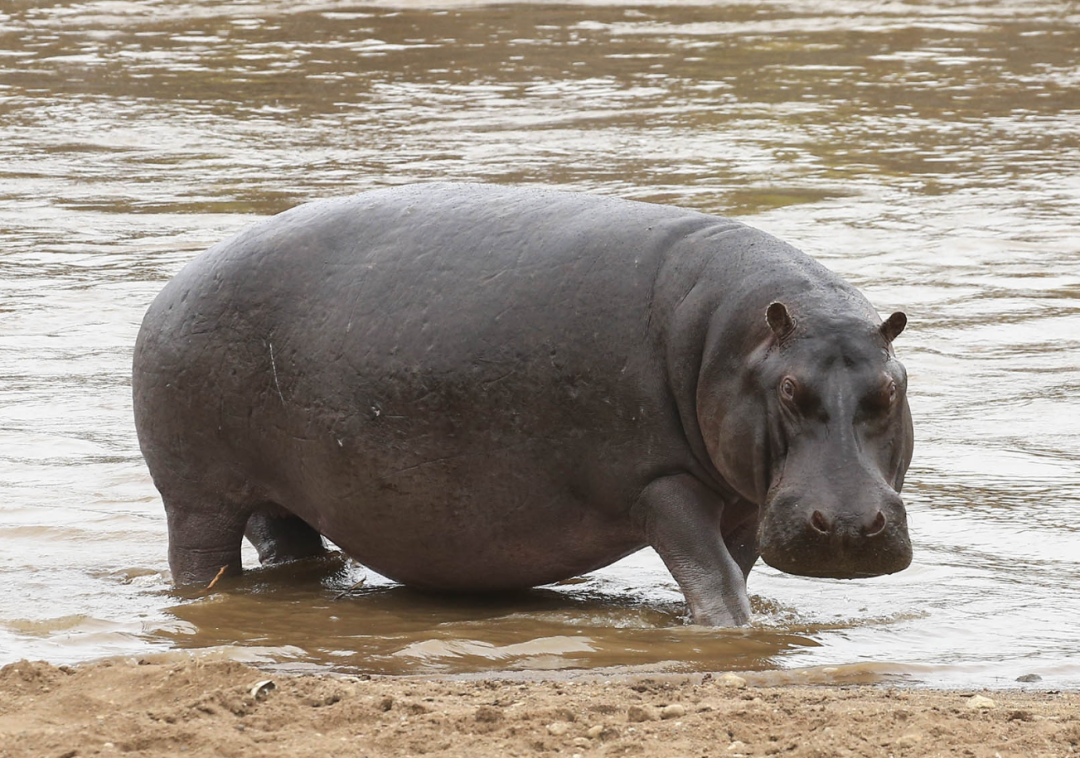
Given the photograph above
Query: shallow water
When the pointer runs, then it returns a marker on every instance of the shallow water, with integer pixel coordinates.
(927, 151)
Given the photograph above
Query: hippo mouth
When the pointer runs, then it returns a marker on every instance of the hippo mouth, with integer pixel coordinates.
(840, 547)
(834, 566)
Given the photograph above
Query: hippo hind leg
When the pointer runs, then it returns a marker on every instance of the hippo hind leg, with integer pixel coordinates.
(280, 537)
(204, 543)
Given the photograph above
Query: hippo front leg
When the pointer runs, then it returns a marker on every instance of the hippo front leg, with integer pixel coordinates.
(681, 517)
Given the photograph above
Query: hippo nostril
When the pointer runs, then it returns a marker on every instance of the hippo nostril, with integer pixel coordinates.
(819, 523)
(878, 525)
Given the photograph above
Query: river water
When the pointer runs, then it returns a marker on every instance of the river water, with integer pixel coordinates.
(927, 151)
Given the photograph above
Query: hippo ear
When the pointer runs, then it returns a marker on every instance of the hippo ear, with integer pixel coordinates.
(893, 325)
(780, 320)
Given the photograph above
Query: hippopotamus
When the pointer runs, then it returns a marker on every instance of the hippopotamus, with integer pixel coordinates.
(479, 388)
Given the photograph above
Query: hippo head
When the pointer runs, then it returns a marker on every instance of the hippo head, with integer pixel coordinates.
(840, 440)
(827, 457)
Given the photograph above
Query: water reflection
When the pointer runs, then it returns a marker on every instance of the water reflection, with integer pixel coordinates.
(316, 610)
(928, 152)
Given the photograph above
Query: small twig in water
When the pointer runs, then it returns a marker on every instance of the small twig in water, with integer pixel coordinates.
(220, 573)
(346, 592)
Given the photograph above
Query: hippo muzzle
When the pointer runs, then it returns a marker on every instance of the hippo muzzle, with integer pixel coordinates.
(799, 536)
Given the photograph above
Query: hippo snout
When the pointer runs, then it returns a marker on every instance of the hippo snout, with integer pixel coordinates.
(839, 543)
(859, 526)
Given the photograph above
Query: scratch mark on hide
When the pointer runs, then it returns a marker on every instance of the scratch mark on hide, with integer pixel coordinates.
(685, 295)
(425, 463)
(496, 380)
(273, 368)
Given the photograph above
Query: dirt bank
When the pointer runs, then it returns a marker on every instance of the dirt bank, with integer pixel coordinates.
(198, 707)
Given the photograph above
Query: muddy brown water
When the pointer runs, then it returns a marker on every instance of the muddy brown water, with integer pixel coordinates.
(927, 151)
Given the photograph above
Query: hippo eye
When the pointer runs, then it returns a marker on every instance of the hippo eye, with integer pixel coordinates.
(787, 388)
(880, 401)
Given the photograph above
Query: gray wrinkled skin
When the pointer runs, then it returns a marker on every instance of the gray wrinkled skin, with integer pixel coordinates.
(478, 388)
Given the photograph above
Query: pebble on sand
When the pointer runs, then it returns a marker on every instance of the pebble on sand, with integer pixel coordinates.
(731, 680)
(673, 711)
(978, 702)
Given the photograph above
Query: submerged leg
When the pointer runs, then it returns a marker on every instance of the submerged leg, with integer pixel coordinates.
(203, 542)
(682, 517)
(280, 537)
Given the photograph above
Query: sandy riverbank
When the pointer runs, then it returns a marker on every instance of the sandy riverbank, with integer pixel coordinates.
(199, 707)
